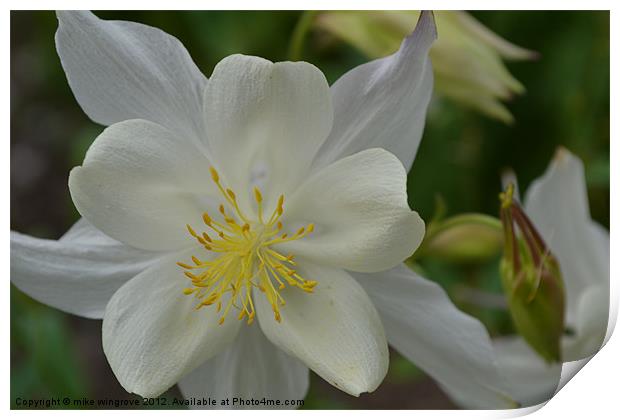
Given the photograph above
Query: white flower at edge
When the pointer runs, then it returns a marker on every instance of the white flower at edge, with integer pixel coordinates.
(557, 204)
(337, 155)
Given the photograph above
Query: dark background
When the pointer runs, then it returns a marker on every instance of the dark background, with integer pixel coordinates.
(460, 158)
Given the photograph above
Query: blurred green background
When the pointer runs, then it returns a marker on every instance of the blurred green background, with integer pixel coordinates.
(460, 158)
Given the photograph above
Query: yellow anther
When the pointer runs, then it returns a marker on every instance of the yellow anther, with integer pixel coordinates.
(211, 299)
(191, 231)
(258, 195)
(185, 266)
(190, 275)
(505, 197)
(214, 175)
(243, 259)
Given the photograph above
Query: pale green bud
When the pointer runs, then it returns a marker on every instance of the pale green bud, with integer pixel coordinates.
(465, 238)
(532, 281)
(467, 57)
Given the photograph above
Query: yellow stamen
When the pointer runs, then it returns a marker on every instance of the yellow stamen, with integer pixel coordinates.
(243, 259)
(214, 175)
(258, 195)
(185, 266)
(191, 231)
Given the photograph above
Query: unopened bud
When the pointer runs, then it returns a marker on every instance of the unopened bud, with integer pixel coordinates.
(464, 238)
(532, 281)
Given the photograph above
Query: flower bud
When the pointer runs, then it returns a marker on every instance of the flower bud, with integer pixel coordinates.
(468, 58)
(466, 238)
(532, 281)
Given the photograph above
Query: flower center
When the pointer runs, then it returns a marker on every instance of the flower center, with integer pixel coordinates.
(244, 258)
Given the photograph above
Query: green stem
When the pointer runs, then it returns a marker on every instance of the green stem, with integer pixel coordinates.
(299, 34)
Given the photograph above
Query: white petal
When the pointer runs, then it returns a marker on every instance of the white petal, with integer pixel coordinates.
(359, 208)
(383, 103)
(77, 274)
(557, 203)
(83, 232)
(335, 330)
(424, 325)
(152, 333)
(141, 186)
(124, 70)
(590, 325)
(266, 121)
(531, 381)
(249, 368)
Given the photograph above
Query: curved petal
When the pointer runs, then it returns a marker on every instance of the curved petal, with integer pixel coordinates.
(249, 368)
(266, 121)
(383, 103)
(335, 331)
(152, 333)
(139, 186)
(424, 325)
(557, 203)
(78, 273)
(83, 232)
(359, 208)
(124, 70)
(590, 325)
(531, 381)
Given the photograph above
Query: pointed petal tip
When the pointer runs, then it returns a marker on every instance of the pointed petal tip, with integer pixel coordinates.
(426, 25)
(564, 159)
(562, 154)
(422, 37)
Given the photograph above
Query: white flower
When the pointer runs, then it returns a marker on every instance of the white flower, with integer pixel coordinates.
(284, 153)
(557, 204)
